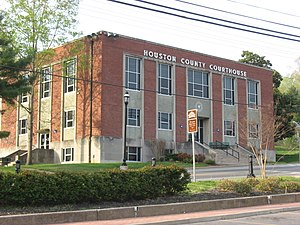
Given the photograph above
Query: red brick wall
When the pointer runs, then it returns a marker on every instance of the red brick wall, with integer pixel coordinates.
(217, 108)
(9, 123)
(242, 111)
(112, 88)
(181, 116)
(150, 113)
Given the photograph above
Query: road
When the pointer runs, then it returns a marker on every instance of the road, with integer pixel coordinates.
(288, 218)
(220, 172)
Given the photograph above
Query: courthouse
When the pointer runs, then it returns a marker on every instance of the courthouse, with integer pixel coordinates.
(80, 111)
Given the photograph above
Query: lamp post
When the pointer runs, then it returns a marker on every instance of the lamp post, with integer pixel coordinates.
(18, 166)
(126, 100)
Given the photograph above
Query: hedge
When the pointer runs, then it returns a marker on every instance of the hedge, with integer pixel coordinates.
(41, 188)
(251, 185)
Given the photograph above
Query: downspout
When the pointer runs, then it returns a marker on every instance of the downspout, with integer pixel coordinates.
(91, 37)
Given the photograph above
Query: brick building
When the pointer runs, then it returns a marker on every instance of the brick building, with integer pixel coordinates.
(234, 101)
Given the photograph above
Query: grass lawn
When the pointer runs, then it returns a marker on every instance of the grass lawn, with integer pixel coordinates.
(90, 167)
(284, 155)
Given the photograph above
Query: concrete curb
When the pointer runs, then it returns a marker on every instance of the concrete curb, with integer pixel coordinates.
(146, 210)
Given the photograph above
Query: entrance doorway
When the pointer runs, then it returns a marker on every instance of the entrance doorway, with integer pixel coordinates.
(199, 136)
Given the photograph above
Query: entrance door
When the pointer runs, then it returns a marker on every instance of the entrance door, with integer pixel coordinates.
(44, 141)
(199, 134)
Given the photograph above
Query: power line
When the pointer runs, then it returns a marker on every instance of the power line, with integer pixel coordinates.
(237, 14)
(271, 10)
(204, 21)
(118, 18)
(218, 19)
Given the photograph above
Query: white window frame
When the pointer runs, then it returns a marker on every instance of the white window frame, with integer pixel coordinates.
(228, 90)
(164, 79)
(68, 154)
(229, 128)
(44, 141)
(134, 117)
(132, 73)
(134, 154)
(198, 89)
(46, 77)
(252, 104)
(165, 121)
(69, 117)
(22, 125)
(24, 98)
(253, 130)
(70, 73)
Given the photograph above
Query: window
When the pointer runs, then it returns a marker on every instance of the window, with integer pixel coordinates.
(228, 88)
(165, 79)
(134, 154)
(165, 121)
(197, 84)
(45, 82)
(70, 71)
(23, 126)
(133, 117)
(67, 154)
(253, 130)
(24, 98)
(252, 94)
(229, 128)
(69, 118)
(44, 141)
(132, 73)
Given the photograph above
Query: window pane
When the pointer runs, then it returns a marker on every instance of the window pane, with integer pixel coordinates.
(198, 84)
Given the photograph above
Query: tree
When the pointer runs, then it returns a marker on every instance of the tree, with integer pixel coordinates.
(12, 84)
(257, 60)
(36, 26)
(158, 147)
(284, 103)
(290, 85)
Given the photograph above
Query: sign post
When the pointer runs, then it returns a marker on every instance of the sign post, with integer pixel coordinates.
(192, 128)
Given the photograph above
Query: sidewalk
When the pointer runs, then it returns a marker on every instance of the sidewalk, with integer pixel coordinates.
(197, 216)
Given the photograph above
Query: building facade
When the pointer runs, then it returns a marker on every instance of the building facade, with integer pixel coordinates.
(79, 106)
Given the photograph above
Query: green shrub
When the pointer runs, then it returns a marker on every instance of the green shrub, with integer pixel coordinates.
(184, 157)
(210, 162)
(238, 186)
(226, 185)
(35, 188)
(289, 186)
(243, 187)
(268, 185)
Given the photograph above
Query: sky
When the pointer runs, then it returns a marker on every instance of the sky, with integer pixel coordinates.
(97, 15)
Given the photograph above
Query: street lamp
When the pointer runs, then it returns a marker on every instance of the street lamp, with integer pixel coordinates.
(18, 166)
(126, 100)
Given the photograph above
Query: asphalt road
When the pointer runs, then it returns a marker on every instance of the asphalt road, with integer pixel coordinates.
(221, 172)
(286, 218)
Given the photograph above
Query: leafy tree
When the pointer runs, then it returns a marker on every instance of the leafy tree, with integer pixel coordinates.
(257, 60)
(291, 85)
(36, 26)
(12, 84)
(284, 103)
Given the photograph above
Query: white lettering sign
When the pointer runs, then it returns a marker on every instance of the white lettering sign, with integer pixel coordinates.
(194, 63)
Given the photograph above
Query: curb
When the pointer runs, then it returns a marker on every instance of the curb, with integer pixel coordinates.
(148, 210)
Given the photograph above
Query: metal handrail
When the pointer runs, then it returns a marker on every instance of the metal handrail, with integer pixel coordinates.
(232, 153)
